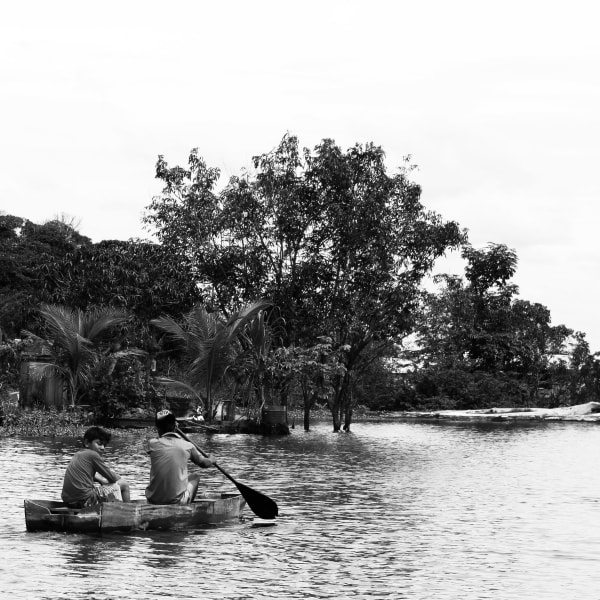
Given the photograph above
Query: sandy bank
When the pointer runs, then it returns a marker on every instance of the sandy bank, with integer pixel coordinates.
(590, 411)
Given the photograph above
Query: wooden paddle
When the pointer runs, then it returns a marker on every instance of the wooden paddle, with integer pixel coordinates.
(262, 506)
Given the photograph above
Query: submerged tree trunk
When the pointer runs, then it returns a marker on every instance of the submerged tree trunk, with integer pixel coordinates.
(338, 403)
(336, 412)
(348, 406)
(337, 419)
(306, 418)
(309, 401)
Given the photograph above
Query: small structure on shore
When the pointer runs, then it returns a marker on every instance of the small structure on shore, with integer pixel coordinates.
(48, 392)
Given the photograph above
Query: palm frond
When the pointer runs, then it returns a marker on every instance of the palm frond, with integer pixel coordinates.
(61, 323)
(40, 370)
(212, 344)
(74, 334)
(94, 324)
(178, 384)
(240, 319)
(138, 352)
(170, 327)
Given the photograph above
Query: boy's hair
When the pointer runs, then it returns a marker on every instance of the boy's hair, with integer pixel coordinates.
(96, 433)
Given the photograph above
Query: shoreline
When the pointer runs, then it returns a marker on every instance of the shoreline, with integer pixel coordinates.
(40, 425)
(588, 412)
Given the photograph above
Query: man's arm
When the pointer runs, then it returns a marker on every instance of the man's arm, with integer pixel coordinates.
(199, 460)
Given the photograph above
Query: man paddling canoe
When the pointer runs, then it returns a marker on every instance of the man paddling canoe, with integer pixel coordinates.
(170, 482)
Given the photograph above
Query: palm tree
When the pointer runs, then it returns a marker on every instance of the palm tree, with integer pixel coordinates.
(211, 345)
(75, 336)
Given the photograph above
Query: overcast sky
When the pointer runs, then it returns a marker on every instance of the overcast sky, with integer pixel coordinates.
(497, 102)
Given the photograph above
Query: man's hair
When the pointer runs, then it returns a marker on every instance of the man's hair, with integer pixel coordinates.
(165, 421)
(96, 433)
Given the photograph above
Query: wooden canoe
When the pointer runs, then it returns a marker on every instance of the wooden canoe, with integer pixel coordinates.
(211, 508)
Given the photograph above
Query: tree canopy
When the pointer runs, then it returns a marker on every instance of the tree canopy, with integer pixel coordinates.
(28, 253)
(335, 245)
(476, 329)
(143, 277)
(332, 239)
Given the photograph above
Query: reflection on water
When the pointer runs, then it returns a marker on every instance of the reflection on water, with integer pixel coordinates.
(394, 510)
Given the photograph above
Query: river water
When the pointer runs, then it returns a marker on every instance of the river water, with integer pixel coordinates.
(392, 510)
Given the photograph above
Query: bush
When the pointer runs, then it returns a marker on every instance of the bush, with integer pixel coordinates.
(123, 387)
(10, 360)
(41, 422)
(457, 389)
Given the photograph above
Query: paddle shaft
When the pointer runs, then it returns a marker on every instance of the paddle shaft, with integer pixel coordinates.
(187, 439)
(261, 505)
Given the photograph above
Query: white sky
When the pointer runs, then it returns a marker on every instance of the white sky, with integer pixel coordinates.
(497, 102)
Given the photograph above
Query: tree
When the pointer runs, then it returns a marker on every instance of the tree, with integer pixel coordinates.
(80, 340)
(585, 370)
(334, 241)
(474, 332)
(251, 369)
(28, 256)
(210, 345)
(142, 277)
(310, 370)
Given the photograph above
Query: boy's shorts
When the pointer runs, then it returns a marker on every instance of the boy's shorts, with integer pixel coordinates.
(110, 492)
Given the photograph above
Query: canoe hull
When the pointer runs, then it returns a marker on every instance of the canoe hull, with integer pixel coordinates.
(45, 515)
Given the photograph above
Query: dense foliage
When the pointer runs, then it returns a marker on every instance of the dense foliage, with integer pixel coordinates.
(336, 243)
(142, 277)
(28, 253)
(81, 341)
(213, 348)
(480, 345)
(298, 282)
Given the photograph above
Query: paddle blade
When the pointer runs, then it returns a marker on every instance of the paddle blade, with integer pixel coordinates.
(262, 506)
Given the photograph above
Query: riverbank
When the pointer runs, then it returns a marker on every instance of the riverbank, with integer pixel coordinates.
(42, 423)
(589, 412)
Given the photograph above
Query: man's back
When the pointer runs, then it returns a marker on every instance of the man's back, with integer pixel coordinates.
(169, 457)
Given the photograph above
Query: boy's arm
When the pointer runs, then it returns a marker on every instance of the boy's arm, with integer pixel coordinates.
(104, 472)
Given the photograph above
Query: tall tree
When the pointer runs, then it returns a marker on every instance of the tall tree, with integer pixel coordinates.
(332, 239)
(28, 257)
(475, 329)
(585, 370)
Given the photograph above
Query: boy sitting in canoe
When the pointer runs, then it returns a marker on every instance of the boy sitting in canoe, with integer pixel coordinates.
(88, 479)
(169, 455)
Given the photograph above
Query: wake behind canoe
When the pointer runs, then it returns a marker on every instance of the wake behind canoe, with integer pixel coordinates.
(210, 508)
